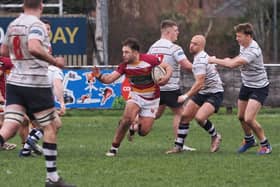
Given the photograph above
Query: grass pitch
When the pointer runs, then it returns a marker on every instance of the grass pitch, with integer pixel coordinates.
(87, 135)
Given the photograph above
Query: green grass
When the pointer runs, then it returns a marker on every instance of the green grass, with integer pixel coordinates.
(87, 135)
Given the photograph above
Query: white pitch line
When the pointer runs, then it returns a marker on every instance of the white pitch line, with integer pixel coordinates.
(275, 145)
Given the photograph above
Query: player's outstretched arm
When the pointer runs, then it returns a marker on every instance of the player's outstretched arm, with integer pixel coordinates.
(198, 85)
(105, 78)
(186, 64)
(227, 62)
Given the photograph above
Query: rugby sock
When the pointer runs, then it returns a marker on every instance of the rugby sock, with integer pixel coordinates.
(131, 130)
(182, 133)
(133, 127)
(50, 152)
(264, 143)
(36, 134)
(210, 128)
(25, 150)
(2, 141)
(249, 139)
(114, 148)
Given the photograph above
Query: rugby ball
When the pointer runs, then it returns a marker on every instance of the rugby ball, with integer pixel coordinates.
(157, 73)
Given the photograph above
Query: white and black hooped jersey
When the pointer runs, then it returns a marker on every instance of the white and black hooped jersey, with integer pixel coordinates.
(253, 73)
(169, 53)
(213, 83)
(28, 71)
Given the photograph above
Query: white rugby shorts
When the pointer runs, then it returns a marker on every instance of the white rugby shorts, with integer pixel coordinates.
(148, 107)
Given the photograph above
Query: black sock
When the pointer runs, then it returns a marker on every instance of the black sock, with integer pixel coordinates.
(210, 128)
(249, 139)
(264, 143)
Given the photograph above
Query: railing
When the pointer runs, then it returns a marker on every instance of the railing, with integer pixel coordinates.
(58, 5)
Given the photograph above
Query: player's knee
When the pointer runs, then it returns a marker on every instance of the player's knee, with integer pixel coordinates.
(142, 131)
(14, 116)
(248, 121)
(25, 122)
(58, 122)
(46, 118)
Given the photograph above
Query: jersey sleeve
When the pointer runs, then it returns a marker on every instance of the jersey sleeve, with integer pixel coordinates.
(178, 53)
(121, 68)
(154, 60)
(37, 31)
(250, 54)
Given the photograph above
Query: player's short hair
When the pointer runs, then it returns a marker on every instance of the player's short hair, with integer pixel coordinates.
(32, 3)
(167, 23)
(132, 43)
(45, 21)
(245, 28)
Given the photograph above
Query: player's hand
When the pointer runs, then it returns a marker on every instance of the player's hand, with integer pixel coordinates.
(182, 98)
(59, 62)
(62, 110)
(211, 59)
(163, 81)
(95, 71)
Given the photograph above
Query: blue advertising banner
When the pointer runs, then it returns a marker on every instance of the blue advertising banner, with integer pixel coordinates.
(82, 90)
(68, 35)
(4, 22)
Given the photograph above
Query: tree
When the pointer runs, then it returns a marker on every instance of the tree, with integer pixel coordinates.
(260, 13)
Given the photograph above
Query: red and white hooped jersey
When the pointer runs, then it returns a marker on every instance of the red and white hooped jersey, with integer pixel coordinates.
(139, 76)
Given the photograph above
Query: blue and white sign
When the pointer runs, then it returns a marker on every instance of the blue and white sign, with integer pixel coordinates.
(82, 90)
(68, 36)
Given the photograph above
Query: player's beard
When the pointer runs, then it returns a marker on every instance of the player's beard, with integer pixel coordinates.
(129, 60)
(193, 52)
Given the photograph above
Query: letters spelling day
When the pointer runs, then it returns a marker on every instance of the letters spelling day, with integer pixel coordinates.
(61, 34)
